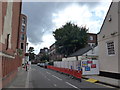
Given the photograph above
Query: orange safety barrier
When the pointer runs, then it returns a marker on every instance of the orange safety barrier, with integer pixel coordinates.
(79, 74)
(75, 73)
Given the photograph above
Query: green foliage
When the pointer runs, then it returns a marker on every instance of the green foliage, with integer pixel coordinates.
(70, 38)
(31, 56)
(44, 57)
(20, 52)
(31, 49)
(31, 53)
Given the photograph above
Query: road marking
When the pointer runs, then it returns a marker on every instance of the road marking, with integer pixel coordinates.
(48, 73)
(55, 85)
(47, 78)
(71, 84)
(57, 77)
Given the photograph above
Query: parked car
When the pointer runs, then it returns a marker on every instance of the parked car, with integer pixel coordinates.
(44, 65)
(38, 64)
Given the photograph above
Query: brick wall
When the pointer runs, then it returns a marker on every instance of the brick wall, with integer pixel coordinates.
(15, 27)
(9, 65)
(22, 32)
(9, 69)
(9, 59)
(94, 38)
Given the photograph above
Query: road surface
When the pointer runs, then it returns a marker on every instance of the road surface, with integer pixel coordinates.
(39, 77)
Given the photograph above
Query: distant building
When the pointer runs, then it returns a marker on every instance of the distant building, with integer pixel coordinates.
(9, 41)
(22, 34)
(92, 39)
(44, 51)
(53, 55)
(108, 42)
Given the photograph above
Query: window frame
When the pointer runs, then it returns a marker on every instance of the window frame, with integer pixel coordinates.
(23, 20)
(22, 37)
(23, 28)
(110, 48)
(21, 45)
(91, 37)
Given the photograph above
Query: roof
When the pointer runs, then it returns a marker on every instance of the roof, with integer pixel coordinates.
(91, 33)
(81, 51)
(52, 45)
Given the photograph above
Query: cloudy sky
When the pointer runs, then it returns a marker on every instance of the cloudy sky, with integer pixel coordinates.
(45, 17)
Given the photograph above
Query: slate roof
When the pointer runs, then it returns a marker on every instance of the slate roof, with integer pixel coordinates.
(81, 51)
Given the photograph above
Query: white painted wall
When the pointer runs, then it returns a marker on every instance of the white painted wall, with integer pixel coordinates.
(7, 28)
(109, 63)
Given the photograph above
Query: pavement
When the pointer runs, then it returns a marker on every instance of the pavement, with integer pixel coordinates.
(20, 80)
(105, 80)
(51, 79)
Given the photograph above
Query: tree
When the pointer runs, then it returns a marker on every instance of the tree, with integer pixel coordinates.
(70, 38)
(31, 49)
(44, 57)
(31, 53)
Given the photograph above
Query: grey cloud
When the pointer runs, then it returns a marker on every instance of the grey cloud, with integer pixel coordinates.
(40, 17)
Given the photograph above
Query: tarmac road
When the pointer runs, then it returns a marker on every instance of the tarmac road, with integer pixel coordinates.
(39, 77)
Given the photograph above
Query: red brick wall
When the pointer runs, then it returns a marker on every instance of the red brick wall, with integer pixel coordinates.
(20, 33)
(15, 26)
(9, 66)
(9, 69)
(94, 38)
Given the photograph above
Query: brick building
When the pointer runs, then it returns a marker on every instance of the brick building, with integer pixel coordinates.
(9, 41)
(22, 35)
(53, 55)
(92, 38)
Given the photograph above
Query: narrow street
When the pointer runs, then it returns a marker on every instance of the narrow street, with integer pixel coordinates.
(39, 77)
(60, 44)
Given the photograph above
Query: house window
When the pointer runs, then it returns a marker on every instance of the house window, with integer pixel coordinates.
(91, 38)
(23, 28)
(7, 41)
(22, 36)
(23, 20)
(110, 47)
(22, 45)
